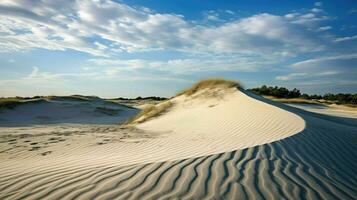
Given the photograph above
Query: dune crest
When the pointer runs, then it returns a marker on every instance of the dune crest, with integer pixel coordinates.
(225, 115)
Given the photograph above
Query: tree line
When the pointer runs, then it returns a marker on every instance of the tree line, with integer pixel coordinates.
(143, 98)
(281, 92)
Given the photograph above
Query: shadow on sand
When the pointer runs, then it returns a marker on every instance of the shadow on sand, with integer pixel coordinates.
(320, 162)
(66, 112)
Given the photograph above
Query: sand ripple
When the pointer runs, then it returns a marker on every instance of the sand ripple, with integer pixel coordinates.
(319, 162)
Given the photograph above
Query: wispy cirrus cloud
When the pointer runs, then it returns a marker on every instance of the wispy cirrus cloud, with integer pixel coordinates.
(344, 39)
(329, 71)
(186, 65)
(326, 60)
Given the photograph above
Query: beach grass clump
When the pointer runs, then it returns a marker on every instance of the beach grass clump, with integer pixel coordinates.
(209, 84)
(151, 112)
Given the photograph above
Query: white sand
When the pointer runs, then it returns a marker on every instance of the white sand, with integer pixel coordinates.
(59, 111)
(333, 110)
(201, 148)
(214, 125)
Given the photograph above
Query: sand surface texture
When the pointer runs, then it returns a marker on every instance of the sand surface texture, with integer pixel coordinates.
(228, 145)
(63, 110)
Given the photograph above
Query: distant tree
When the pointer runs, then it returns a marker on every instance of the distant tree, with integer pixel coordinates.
(305, 96)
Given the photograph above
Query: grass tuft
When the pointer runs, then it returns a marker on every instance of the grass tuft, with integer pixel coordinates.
(208, 84)
(158, 109)
(151, 112)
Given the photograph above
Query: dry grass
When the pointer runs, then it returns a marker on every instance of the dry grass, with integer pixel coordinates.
(151, 112)
(156, 110)
(208, 84)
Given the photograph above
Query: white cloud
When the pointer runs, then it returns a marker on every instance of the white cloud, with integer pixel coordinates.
(344, 39)
(324, 28)
(212, 15)
(303, 75)
(230, 12)
(307, 19)
(61, 25)
(101, 46)
(290, 76)
(319, 4)
(318, 61)
(338, 69)
(37, 78)
(316, 10)
(174, 67)
(34, 72)
(328, 73)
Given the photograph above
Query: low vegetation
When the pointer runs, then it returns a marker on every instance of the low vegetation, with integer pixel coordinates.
(11, 103)
(151, 112)
(107, 111)
(281, 92)
(71, 98)
(115, 102)
(209, 83)
(155, 98)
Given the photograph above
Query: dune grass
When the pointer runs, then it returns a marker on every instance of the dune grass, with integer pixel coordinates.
(151, 112)
(11, 103)
(208, 84)
(116, 102)
(158, 109)
(107, 111)
(71, 98)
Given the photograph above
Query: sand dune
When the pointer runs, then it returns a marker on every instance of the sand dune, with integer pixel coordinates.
(333, 110)
(236, 146)
(59, 110)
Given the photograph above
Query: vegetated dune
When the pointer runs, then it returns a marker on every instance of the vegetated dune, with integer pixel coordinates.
(215, 143)
(64, 109)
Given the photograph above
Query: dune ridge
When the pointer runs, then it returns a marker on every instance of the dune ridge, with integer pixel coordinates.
(308, 156)
(64, 109)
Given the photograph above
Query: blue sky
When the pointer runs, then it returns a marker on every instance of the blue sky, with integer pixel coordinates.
(151, 47)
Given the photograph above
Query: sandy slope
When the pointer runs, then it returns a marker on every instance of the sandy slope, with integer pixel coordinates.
(291, 154)
(63, 110)
(333, 110)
